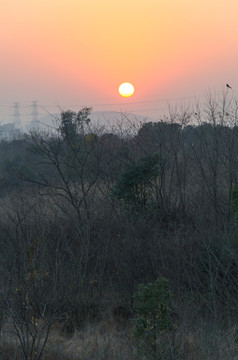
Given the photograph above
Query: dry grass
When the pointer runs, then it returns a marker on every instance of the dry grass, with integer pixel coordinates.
(204, 340)
(108, 340)
(101, 341)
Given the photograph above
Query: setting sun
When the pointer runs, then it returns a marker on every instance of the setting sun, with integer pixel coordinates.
(126, 89)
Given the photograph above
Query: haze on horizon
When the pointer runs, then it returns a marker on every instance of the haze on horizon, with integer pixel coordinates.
(76, 53)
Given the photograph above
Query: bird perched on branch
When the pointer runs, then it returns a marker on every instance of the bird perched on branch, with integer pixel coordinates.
(229, 87)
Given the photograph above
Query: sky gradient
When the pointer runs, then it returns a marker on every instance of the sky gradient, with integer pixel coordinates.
(77, 52)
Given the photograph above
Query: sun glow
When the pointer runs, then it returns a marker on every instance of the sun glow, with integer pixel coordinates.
(126, 89)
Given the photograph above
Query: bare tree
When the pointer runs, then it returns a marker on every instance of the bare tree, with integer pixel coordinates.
(38, 280)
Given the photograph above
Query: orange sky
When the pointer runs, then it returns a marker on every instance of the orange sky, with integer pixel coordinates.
(79, 51)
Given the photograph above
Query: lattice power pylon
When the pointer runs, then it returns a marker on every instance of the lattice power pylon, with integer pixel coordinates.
(17, 115)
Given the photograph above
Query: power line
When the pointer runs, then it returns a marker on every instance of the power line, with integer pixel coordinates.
(124, 105)
(130, 103)
(146, 102)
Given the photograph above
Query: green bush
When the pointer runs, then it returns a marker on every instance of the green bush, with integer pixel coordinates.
(151, 304)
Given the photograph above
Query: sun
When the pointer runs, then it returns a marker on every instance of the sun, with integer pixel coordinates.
(126, 89)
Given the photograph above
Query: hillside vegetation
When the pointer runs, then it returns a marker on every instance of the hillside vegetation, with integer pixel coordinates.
(88, 217)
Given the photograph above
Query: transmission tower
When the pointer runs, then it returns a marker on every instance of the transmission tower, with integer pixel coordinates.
(35, 115)
(17, 115)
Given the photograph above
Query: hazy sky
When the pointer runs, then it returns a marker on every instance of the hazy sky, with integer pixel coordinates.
(77, 52)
